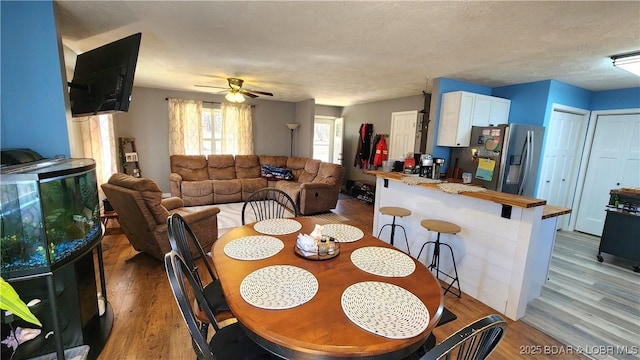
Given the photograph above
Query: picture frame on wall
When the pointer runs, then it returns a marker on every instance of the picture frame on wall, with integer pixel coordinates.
(131, 157)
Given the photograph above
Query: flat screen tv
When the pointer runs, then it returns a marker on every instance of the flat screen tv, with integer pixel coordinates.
(103, 78)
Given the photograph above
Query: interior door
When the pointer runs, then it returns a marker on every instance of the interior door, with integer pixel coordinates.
(565, 138)
(323, 138)
(614, 163)
(402, 138)
(338, 130)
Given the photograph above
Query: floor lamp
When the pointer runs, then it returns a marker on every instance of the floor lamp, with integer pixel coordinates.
(292, 126)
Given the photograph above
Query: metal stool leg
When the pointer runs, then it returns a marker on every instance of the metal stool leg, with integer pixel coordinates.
(435, 260)
(406, 239)
(455, 271)
(382, 228)
(393, 233)
(422, 248)
(435, 264)
(393, 230)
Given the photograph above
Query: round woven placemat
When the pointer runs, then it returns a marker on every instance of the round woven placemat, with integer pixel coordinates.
(278, 287)
(277, 226)
(253, 247)
(342, 232)
(385, 309)
(383, 261)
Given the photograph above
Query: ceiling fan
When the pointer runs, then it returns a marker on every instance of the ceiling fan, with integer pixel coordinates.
(235, 91)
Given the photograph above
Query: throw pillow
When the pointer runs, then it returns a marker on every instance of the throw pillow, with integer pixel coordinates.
(276, 173)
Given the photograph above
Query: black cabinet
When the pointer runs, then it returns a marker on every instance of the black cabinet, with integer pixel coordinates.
(622, 226)
(69, 311)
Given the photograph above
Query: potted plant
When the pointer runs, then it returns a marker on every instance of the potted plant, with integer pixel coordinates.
(10, 302)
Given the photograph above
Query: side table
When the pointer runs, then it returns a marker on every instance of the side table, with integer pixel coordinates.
(105, 216)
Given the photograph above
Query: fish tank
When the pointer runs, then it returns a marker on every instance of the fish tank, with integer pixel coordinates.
(49, 215)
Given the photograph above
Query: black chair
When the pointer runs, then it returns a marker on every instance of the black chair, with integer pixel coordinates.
(269, 203)
(476, 341)
(229, 342)
(182, 240)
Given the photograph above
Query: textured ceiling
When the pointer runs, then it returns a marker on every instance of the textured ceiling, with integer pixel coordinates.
(348, 52)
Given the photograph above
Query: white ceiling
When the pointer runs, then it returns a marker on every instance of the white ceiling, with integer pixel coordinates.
(348, 52)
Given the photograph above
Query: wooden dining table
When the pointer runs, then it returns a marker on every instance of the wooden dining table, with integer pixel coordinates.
(319, 328)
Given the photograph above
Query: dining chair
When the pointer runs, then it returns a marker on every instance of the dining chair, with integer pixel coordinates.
(268, 203)
(475, 341)
(182, 240)
(229, 342)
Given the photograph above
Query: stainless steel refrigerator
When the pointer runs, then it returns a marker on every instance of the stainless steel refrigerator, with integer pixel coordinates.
(503, 158)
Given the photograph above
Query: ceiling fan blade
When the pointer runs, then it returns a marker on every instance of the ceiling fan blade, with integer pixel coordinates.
(246, 93)
(259, 92)
(210, 86)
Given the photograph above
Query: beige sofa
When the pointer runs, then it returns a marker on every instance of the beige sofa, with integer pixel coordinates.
(200, 180)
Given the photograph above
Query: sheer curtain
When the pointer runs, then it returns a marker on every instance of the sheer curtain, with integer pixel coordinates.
(185, 127)
(237, 129)
(98, 143)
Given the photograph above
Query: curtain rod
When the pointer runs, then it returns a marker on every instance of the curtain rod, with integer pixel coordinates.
(210, 102)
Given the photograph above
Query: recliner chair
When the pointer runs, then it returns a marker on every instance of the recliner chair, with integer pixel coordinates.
(143, 213)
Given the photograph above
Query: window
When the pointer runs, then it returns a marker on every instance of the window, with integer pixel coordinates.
(211, 131)
(196, 130)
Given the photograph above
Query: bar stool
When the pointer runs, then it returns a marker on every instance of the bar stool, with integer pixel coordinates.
(395, 212)
(441, 227)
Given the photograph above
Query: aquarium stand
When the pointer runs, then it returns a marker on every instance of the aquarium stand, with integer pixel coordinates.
(72, 312)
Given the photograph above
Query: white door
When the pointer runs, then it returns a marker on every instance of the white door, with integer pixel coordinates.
(614, 163)
(402, 138)
(338, 129)
(564, 141)
(323, 138)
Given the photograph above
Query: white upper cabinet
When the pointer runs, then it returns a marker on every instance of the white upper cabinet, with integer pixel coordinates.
(454, 128)
(460, 110)
(490, 110)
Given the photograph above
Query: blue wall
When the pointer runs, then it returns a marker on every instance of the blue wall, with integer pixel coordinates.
(569, 95)
(33, 106)
(616, 99)
(528, 101)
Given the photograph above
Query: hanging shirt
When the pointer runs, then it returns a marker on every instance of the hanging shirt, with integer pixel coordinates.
(382, 152)
(364, 145)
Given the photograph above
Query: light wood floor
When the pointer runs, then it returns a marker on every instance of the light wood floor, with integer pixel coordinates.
(148, 324)
(590, 305)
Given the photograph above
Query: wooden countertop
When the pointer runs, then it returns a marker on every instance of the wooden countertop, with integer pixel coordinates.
(550, 211)
(626, 191)
(490, 195)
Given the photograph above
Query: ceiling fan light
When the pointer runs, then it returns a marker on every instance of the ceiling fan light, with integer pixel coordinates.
(628, 62)
(234, 97)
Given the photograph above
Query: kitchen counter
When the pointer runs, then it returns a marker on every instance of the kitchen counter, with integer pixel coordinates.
(503, 251)
(490, 195)
(551, 211)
